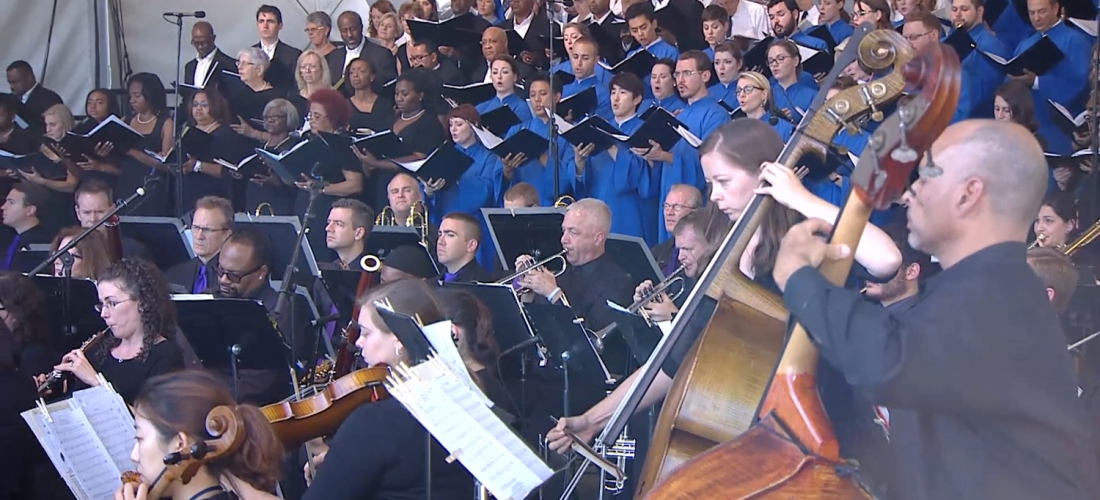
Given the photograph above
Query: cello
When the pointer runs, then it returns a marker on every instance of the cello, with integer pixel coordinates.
(716, 392)
(791, 451)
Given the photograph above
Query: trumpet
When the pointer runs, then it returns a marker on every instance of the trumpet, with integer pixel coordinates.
(1039, 240)
(564, 201)
(386, 217)
(370, 263)
(1082, 239)
(514, 277)
(260, 209)
(55, 375)
(660, 288)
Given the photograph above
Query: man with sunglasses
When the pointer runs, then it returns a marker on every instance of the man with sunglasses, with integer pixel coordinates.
(243, 272)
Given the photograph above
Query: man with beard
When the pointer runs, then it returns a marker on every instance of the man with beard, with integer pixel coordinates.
(244, 270)
(900, 293)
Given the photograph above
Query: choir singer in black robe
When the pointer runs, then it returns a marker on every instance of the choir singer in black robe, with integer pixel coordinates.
(980, 387)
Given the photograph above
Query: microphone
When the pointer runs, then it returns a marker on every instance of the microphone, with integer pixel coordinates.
(198, 14)
(324, 320)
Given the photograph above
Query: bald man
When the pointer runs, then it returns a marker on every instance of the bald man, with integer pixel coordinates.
(494, 42)
(981, 392)
(592, 277)
(382, 61)
(209, 60)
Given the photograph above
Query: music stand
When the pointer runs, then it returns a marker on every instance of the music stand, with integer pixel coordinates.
(510, 325)
(572, 351)
(634, 258)
(640, 336)
(407, 330)
(383, 239)
(519, 231)
(283, 231)
(83, 298)
(164, 237)
(341, 287)
(30, 256)
(231, 334)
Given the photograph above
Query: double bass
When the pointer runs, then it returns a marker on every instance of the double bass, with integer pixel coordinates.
(717, 391)
(791, 451)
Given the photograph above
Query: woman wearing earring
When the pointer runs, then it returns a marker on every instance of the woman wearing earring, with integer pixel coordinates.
(379, 451)
(754, 95)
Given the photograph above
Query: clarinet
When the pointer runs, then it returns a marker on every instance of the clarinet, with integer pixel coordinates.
(56, 375)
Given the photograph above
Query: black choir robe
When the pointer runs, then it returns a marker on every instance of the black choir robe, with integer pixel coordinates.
(381, 60)
(981, 391)
(280, 73)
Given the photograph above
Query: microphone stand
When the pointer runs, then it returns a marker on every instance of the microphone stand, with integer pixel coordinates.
(177, 139)
(315, 188)
(80, 237)
(67, 261)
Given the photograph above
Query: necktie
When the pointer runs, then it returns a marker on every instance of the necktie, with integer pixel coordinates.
(11, 251)
(330, 328)
(673, 262)
(449, 277)
(200, 280)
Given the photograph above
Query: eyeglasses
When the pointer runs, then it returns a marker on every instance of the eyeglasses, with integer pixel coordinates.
(685, 74)
(676, 207)
(778, 60)
(747, 89)
(279, 117)
(110, 305)
(201, 229)
(233, 276)
(313, 30)
(913, 38)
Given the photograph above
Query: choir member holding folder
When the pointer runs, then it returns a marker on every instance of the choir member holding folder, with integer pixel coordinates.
(251, 97)
(539, 171)
(728, 60)
(504, 76)
(370, 112)
(280, 118)
(468, 189)
(792, 95)
(380, 449)
(152, 120)
(101, 162)
(54, 169)
(663, 89)
(971, 31)
(211, 139)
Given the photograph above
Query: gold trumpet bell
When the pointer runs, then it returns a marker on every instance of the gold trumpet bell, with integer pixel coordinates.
(260, 209)
(564, 201)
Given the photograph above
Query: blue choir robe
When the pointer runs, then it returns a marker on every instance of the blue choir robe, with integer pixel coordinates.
(840, 30)
(651, 199)
(783, 127)
(672, 104)
(624, 183)
(603, 96)
(1067, 83)
(709, 51)
(725, 93)
(542, 176)
(701, 118)
(812, 42)
(518, 104)
(603, 75)
(660, 50)
(1011, 27)
(796, 98)
(478, 187)
(980, 77)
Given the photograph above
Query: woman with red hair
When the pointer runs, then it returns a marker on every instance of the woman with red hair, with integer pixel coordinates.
(329, 113)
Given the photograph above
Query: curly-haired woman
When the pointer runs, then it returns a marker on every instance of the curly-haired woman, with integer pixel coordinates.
(135, 304)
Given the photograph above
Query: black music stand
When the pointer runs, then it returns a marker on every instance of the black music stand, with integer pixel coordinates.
(30, 256)
(571, 350)
(283, 231)
(83, 318)
(640, 337)
(409, 333)
(341, 287)
(510, 325)
(231, 334)
(634, 258)
(383, 239)
(530, 231)
(163, 236)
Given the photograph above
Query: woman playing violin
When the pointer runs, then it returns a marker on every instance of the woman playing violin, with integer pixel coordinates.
(170, 415)
(379, 452)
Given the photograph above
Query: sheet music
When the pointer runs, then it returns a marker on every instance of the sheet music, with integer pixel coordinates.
(111, 421)
(455, 416)
(81, 450)
(439, 335)
(38, 424)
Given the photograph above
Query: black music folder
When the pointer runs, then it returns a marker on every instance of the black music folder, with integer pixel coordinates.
(659, 126)
(445, 163)
(525, 141)
(112, 130)
(383, 239)
(408, 331)
(962, 42)
(383, 144)
(591, 130)
(500, 120)
(580, 104)
(821, 32)
(290, 164)
(472, 94)
(1067, 121)
(524, 231)
(460, 31)
(756, 57)
(196, 144)
(815, 61)
(247, 168)
(733, 109)
(83, 317)
(640, 63)
(1078, 159)
(564, 77)
(214, 325)
(1038, 59)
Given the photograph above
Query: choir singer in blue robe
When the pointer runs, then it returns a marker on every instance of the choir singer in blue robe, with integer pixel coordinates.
(617, 176)
(585, 59)
(701, 116)
(539, 172)
(728, 59)
(792, 96)
(477, 188)
(1067, 83)
(642, 22)
(980, 76)
(504, 74)
(663, 86)
(570, 34)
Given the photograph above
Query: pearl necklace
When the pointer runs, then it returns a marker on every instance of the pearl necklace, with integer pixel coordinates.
(143, 122)
(413, 117)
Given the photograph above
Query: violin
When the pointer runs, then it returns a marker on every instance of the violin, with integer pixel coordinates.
(228, 430)
(791, 450)
(717, 391)
(298, 421)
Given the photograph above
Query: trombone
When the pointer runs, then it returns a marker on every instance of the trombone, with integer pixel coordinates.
(417, 219)
(260, 209)
(564, 201)
(1039, 240)
(1082, 239)
(514, 277)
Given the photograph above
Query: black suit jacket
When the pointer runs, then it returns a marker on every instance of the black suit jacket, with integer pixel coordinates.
(381, 60)
(472, 272)
(39, 100)
(280, 73)
(222, 62)
(448, 72)
(537, 39)
(185, 273)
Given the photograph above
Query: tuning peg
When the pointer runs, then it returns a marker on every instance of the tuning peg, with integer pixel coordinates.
(851, 128)
(877, 115)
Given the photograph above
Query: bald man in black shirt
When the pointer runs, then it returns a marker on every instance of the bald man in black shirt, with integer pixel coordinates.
(980, 388)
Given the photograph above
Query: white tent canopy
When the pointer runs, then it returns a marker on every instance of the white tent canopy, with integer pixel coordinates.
(85, 50)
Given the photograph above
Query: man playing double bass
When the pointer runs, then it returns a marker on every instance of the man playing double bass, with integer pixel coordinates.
(981, 391)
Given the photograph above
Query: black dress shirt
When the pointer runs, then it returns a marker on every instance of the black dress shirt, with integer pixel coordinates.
(129, 375)
(588, 287)
(981, 391)
(665, 255)
(381, 60)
